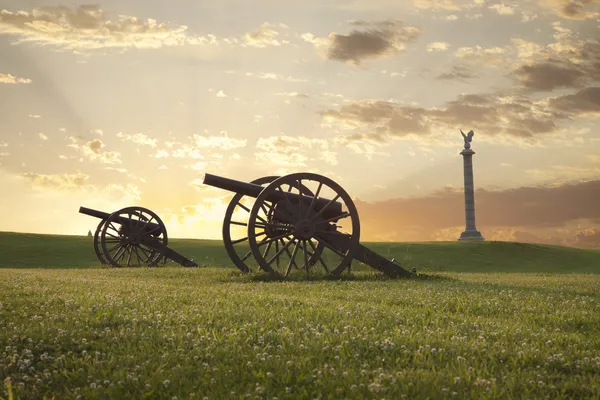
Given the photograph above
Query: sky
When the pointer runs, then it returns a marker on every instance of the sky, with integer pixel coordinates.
(112, 103)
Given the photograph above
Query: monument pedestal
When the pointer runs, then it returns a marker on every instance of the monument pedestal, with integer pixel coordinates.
(471, 233)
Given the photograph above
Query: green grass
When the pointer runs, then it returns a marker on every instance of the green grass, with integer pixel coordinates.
(19, 250)
(495, 320)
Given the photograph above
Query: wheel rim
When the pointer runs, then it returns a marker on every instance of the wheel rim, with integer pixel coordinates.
(97, 245)
(306, 226)
(133, 236)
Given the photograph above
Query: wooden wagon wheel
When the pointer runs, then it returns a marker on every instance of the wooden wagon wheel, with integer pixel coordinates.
(133, 236)
(302, 224)
(237, 215)
(97, 245)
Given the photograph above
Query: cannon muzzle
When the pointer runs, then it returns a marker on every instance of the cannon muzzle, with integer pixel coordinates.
(253, 190)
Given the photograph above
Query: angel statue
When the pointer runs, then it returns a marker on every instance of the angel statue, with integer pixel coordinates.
(468, 138)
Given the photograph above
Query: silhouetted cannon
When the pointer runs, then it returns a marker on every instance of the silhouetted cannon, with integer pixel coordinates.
(301, 221)
(132, 236)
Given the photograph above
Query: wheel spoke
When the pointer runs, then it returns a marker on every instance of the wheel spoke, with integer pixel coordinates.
(288, 252)
(147, 255)
(327, 206)
(279, 252)
(129, 258)
(121, 244)
(331, 247)
(312, 202)
(286, 197)
(239, 240)
(263, 242)
(305, 258)
(320, 256)
(113, 227)
(300, 198)
(248, 254)
(243, 206)
(266, 252)
(238, 223)
(137, 254)
(264, 209)
(292, 262)
(121, 252)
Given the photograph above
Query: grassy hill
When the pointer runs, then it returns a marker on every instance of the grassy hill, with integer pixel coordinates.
(500, 320)
(22, 250)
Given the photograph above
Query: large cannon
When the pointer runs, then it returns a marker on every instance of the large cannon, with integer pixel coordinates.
(299, 221)
(132, 236)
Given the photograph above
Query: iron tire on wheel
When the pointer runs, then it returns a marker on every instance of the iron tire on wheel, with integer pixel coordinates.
(97, 245)
(306, 224)
(129, 234)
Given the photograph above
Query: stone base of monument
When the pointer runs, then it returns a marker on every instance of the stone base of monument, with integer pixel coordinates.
(471, 235)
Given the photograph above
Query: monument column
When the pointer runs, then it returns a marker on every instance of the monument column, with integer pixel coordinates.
(471, 232)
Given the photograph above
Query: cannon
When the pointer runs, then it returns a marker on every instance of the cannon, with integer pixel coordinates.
(132, 236)
(300, 221)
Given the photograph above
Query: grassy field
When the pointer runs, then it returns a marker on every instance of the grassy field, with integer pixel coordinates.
(493, 320)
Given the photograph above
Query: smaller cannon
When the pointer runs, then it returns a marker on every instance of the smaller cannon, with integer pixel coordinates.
(132, 236)
(299, 221)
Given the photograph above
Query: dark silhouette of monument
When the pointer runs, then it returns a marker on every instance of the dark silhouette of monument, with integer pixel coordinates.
(471, 232)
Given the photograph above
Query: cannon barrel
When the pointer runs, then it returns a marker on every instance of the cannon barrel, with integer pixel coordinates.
(93, 213)
(253, 190)
(151, 226)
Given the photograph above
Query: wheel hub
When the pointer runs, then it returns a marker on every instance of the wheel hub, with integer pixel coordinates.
(304, 229)
(136, 238)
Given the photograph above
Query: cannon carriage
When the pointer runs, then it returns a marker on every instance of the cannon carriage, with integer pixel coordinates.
(299, 222)
(132, 236)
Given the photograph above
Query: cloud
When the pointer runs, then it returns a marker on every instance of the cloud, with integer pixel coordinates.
(89, 27)
(264, 36)
(585, 101)
(490, 55)
(515, 116)
(119, 191)
(138, 138)
(57, 181)
(293, 151)
(566, 173)
(223, 141)
(588, 238)
(550, 75)
(457, 73)
(34, 116)
(42, 136)
(220, 93)
(437, 46)
(448, 5)
(204, 146)
(268, 76)
(10, 79)
(365, 144)
(94, 150)
(531, 207)
(294, 95)
(566, 63)
(502, 9)
(374, 40)
(574, 9)
(3, 143)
